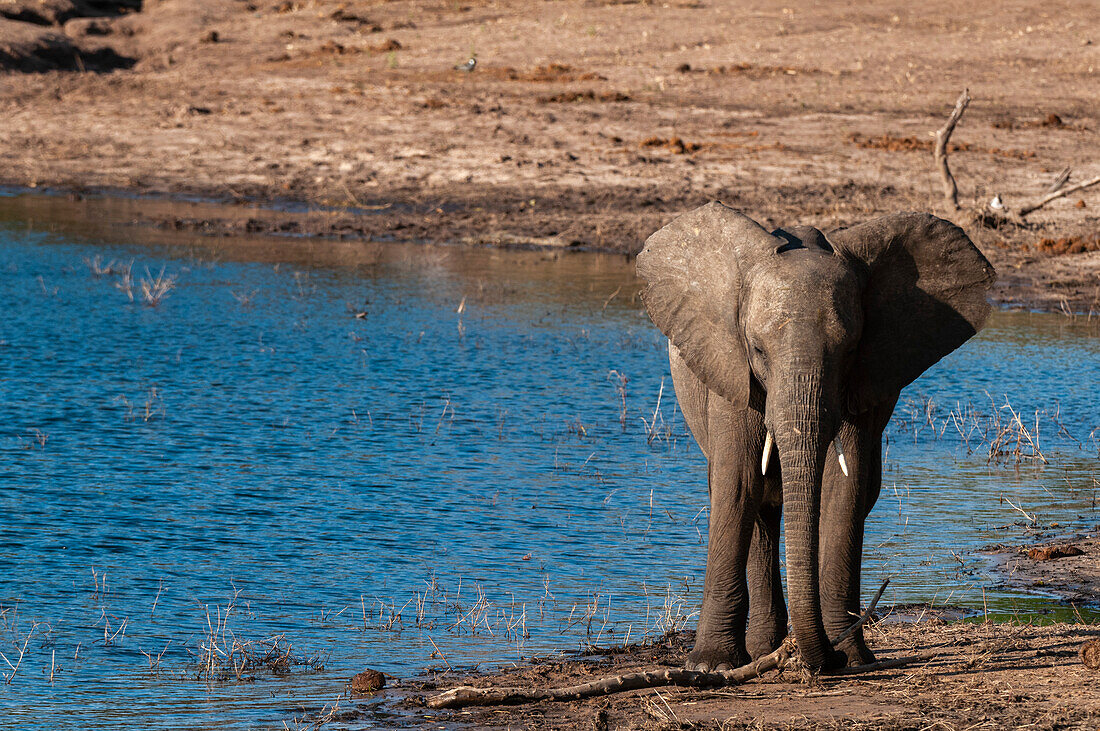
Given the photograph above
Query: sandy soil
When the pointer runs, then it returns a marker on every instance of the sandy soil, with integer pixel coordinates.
(587, 123)
(984, 676)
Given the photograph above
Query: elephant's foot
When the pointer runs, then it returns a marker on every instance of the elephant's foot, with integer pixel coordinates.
(764, 641)
(707, 657)
(856, 651)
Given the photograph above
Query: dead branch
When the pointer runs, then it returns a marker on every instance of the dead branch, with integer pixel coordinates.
(1058, 194)
(468, 696)
(863, 617)
(943, 136)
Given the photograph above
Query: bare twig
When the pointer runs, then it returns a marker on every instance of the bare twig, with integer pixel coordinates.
(444, 657)
(943, 136)
(154, 289)
(1031, 518)
(863, 617)
(1061, 180)
(8, 677)
(1058, 194)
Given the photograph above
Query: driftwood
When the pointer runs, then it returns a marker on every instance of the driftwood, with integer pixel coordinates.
(943, 136)
(1058, 194)
(1001, 214)
(467, 696)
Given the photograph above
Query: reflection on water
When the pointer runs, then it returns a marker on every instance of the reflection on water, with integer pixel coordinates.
(406, 456)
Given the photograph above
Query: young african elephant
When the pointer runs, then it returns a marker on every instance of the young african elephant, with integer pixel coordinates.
(799, 342)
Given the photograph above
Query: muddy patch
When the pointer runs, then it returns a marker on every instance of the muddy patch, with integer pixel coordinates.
(1067, 567)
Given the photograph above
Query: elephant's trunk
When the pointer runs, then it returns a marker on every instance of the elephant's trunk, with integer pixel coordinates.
(798, 418)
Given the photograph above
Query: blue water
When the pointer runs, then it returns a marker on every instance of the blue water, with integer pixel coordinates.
(403, 456)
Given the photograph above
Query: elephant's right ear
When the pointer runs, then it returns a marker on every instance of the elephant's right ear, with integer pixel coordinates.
(926, 294)
(693, 270)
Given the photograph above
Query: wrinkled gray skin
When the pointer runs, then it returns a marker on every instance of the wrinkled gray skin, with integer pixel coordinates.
(811, 337)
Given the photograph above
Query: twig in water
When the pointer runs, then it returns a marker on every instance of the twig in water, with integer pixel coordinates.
(125, 281)
(440, 653)
(1020, 510)
(244, 299)
(154, 289)
(154, 663)
(98, 268)
(620, 382)
(8, 677)
(607, 301)
(651, 426)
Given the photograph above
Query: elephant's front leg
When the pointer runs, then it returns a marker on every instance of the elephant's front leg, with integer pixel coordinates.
(735, 487)
(846, 500)
(767, 611)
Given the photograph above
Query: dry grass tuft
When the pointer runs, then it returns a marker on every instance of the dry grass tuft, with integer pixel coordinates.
(154, 289)
(223, 656)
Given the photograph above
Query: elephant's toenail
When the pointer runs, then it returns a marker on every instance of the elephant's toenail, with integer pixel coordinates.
(722, 668)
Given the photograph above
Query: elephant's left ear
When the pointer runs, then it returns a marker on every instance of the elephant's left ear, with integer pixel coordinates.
(926, 295)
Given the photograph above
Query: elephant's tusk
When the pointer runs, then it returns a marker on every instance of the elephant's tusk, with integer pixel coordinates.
(840, 456)
(766, 456)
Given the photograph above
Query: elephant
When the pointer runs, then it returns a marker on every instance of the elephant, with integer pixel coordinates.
(795, 344)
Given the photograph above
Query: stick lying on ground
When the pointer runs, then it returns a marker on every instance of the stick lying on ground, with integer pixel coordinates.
(1058, 194)
(467, 696)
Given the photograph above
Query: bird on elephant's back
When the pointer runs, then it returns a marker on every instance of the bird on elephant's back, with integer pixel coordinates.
(788, 351)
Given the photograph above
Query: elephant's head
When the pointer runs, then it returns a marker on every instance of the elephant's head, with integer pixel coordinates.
(810, 328)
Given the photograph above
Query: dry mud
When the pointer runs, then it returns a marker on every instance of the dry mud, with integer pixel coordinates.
(586, 123)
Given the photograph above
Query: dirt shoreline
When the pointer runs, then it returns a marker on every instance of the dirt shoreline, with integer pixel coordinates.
(586, 124)
(1066, 567)
(988, 675)
(1053, 284)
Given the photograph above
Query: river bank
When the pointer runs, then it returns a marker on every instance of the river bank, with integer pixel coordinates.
(995, 671)
(1066, 567)
(584, 124)
(992, 674)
